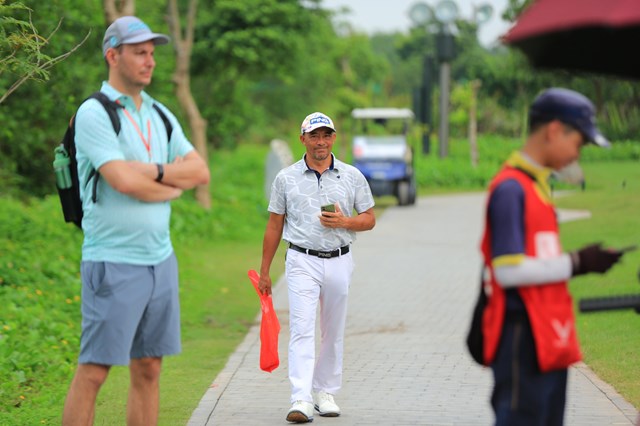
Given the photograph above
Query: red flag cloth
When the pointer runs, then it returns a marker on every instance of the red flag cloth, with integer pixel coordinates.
(269, 328)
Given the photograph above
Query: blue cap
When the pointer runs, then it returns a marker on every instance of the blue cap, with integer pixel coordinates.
(571, 108)
(129, 30)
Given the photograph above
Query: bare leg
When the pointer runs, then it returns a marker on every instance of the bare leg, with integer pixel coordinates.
(144, 394)
(80, 405)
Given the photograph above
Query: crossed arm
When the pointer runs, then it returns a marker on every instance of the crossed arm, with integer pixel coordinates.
(138, 179)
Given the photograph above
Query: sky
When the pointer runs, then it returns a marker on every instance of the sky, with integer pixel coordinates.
(373, 16)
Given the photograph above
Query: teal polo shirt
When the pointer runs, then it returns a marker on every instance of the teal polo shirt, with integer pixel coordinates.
(119, 228)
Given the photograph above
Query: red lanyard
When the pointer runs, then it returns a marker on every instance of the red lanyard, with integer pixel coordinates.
(147, 143)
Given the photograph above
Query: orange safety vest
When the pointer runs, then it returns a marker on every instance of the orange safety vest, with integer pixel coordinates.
(549, 306)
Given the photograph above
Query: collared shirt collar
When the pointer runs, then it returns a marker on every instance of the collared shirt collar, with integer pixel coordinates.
(125, 100)
(541, 174)
(304, 159)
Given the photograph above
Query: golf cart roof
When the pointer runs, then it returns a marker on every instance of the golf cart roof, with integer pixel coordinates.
(373, 113)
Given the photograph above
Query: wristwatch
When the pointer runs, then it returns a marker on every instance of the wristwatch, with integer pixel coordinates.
(160, 172)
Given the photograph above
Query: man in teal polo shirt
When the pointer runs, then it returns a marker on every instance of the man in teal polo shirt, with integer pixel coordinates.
(130, 307)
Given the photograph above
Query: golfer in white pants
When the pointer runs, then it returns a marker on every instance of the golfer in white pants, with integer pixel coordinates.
(319, 261)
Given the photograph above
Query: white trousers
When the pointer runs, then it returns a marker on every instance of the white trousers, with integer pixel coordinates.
(312, 280)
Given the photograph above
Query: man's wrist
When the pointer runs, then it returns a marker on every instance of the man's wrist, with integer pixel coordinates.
(160, 172)
(575, 263)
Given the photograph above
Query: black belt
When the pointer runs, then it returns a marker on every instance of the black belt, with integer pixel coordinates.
(323, 254)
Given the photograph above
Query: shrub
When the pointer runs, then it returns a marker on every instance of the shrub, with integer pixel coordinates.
(40, 290)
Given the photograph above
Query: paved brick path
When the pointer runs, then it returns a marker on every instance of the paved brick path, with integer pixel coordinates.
(405, 360)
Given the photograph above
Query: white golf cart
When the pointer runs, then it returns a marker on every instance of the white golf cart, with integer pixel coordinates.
(381, 151)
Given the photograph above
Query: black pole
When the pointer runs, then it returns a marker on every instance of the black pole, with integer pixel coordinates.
(425, 110)
(417, 103)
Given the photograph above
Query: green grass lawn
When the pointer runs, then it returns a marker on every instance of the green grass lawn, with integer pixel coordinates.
(610, 340)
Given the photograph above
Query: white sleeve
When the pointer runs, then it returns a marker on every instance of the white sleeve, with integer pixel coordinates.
(534, 271)
(278, 199)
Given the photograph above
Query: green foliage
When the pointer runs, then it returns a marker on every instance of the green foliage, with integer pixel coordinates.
(509, 84)
(460, 99)
(237, 194)
(259, 66)
(255, 47)
(35, 117)
(456, 170)
(406, 56)
(267, 64)
(494, 119)
(622, 116)
(39, 321)
(20, 44)
(619, 151)
(515, 8)
(21, 49)
(238, 34)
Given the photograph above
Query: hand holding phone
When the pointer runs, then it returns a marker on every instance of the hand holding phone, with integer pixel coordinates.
(594, 258)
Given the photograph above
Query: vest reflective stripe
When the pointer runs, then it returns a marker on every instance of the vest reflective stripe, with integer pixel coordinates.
(549, 307)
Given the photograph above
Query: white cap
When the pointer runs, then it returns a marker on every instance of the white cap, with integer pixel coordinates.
(315, 121)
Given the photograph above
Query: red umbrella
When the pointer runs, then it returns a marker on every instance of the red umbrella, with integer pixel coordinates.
(582, 35)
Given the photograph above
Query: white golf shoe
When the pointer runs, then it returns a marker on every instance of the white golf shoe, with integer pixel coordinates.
(325, 405)
(300, 412)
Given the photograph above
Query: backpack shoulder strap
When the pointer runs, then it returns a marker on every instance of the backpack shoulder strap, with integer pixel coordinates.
(165, 120)
(112, 110)
(111, 107)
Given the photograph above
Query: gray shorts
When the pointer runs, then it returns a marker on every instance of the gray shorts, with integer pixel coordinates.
(129, 311)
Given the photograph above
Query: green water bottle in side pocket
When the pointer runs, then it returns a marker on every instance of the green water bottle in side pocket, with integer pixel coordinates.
(61, 164)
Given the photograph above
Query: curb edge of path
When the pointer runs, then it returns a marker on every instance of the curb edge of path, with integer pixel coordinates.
(609, 391)
(207, 405)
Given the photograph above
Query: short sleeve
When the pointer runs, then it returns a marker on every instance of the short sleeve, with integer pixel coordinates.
(95, 138)
(363, 197)
(506, 219)
(278, 201)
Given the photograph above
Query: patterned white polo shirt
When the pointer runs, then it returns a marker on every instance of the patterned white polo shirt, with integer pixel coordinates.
(299, 191)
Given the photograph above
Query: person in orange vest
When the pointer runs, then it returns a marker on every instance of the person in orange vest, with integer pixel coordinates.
(528, 324)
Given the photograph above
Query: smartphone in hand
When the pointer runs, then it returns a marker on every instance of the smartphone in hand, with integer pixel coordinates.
(328, 208)
(628, 248)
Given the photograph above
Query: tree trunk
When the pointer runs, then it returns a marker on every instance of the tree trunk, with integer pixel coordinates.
(113, 9)
(473, 122)
(183, 45)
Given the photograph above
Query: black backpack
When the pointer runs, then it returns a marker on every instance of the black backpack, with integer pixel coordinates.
(66, 167)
